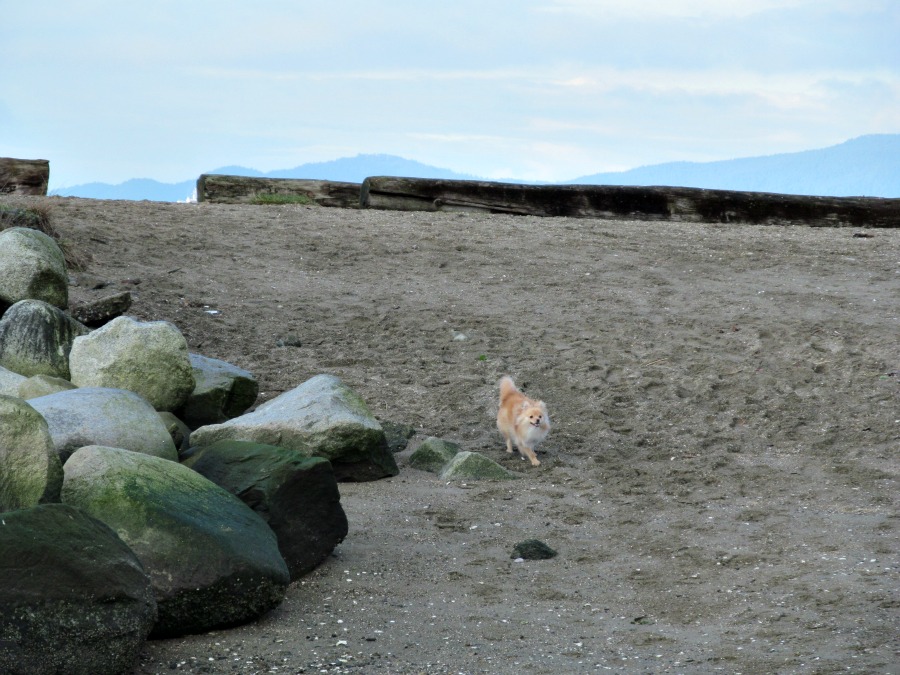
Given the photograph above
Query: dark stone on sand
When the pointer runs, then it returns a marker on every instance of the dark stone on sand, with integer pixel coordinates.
(533, 549)
(397, 435)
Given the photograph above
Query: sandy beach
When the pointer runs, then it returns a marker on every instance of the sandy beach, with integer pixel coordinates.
(721, 479)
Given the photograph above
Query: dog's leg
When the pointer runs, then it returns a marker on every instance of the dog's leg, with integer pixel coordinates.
(509, 445)
(528, 452)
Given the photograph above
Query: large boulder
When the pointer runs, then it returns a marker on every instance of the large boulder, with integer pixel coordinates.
(30, 469)
(74, 598)
(322, 417)
(32, 266)
(99, 416)
(222, 391)
(10, 381)
(149, 358)
(212, 560)
(297, 496)
(36, 337)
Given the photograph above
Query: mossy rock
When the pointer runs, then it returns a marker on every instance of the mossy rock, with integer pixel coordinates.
(434, 454)
(473, 466)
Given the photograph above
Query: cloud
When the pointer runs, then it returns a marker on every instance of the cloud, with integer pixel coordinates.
(537, 89)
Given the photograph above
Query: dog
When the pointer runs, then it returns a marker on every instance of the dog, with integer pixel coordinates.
(523, 421)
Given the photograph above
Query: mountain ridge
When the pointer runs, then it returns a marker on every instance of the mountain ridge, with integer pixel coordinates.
(863, 166)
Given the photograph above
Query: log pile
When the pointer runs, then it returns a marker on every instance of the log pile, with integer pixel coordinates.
(24, 176)
(247, 190)
(628, 202)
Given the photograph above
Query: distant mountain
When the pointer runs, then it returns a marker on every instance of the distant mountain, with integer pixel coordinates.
(357, 169)
(865, 166)
(348, 169)
(134, 189)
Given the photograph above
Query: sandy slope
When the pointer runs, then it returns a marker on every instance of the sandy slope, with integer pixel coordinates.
(721, 482)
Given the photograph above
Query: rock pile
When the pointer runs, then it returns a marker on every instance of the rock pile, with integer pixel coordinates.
(138, 496)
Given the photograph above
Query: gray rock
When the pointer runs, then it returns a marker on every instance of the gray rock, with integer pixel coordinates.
(472, 466)
(75, 598)
(433, 455)
(297, 496)
(103, 310)
(148, 358)
(32, 267)
(9, 382)
(322, 417)
(397, 435)
(212, 560)
(178, 431)
(100, 416)
(30, 469)
(222, 391)
(36, 337)
(42, 385)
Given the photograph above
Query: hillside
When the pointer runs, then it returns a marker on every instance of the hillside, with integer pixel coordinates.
(868, 166)
(865, 166)
(349, 169)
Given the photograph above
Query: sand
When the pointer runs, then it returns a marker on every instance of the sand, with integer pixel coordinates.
(721, 481)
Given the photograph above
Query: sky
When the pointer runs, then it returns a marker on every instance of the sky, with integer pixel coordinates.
(540, 90)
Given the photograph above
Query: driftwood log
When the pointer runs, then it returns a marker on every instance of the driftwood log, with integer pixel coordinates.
(24, 176)
(247, 190)
(639, 203)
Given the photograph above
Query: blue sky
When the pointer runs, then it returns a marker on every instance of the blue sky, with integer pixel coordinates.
(528, 89)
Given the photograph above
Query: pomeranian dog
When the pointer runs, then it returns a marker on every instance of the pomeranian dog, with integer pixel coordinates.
(523, 421)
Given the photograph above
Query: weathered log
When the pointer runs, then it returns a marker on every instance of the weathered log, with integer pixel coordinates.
(247, 190)
(24, 176)
(629, 202)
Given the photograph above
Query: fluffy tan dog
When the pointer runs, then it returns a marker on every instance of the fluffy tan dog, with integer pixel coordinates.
(522, 421)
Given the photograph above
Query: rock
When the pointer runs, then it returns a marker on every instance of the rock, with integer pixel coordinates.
(10, 381)
(148, 358)
(99, 312)
(472, 466)
(297, 496)
(533, 549)
(179, 432)
(222, 391)
(36, 337)
(212, 561)
(42, 385)
(30, 469)
(99, 416)
(322, 417)
(397, 435)
(75, 598)
(433, 455)
(32, 267)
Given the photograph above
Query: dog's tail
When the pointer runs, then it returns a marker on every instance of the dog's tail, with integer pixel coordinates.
(507, 387)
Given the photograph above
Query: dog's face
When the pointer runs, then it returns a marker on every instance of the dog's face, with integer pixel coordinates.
(533, 416)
